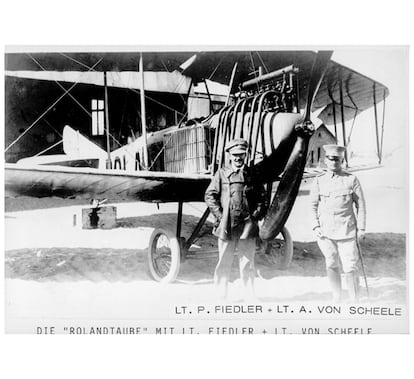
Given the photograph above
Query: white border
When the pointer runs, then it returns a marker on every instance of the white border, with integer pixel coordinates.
(205, 23)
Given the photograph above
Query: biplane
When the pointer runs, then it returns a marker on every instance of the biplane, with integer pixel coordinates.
(271, 96)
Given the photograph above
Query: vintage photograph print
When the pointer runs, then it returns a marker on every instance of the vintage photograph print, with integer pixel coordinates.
(208, 191)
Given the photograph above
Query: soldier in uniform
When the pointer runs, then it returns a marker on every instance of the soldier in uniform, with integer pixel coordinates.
(238, 201)
(338, 212)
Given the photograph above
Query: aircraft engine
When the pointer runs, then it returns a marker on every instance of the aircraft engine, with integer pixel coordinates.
(267, 115)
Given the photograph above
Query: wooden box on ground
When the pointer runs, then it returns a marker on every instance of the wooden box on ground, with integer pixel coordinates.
(99, 218)
(188, 150)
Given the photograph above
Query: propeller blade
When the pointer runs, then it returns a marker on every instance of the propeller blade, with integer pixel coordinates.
(288, 188)
(318, 71)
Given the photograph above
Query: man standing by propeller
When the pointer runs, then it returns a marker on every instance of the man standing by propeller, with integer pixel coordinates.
(238, 201)
(339, 213)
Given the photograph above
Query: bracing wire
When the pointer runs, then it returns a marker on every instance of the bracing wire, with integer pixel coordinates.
(69, 94)
(47, 110)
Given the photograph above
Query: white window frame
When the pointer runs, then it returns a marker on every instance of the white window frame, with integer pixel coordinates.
(98, 117)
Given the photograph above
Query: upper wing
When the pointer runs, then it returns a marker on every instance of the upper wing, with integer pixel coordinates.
(217, 66)
(357, 89)
(101, 61)
(79, 182)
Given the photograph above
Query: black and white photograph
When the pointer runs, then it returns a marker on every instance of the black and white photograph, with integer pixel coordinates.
(206, 190)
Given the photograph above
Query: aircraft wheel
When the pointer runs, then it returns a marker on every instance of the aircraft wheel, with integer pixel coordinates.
(164, 254)
(280, 250)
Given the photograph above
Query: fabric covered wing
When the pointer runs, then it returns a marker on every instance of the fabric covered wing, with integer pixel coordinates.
(75, 182)
(357, 89)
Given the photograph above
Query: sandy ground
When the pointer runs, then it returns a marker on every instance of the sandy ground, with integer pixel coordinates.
(56, 269)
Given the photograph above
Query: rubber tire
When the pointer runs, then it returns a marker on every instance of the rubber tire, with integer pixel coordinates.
(286, 258)
(175, 256)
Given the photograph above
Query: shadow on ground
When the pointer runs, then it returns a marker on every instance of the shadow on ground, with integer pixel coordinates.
(384, 256)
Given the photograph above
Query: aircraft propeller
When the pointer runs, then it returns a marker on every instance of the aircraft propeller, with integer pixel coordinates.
(289, 184)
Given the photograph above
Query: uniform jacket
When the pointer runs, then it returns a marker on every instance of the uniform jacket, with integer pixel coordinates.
(333, 198)
(243, 186)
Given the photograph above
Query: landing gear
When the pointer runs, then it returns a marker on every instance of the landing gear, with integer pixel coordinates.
(279, 252)
(164, 256)
(167, 249)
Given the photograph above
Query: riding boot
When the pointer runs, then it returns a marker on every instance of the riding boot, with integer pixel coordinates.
(352, 282)
(334, 278)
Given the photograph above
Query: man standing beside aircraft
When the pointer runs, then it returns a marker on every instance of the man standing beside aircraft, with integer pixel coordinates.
(238, 201)
(336, 223)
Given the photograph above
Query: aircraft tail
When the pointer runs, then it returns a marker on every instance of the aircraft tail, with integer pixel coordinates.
(78, 146)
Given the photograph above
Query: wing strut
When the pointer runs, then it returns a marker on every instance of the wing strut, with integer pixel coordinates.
(352, 127)
(376, 123)
(143, 117)
(108, 147)
(233, 73)
(334, 118)
(341, 97)
(334, 111)
(382, 127)
(210, 101)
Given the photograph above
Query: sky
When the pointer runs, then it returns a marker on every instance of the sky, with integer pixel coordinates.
(389, 66)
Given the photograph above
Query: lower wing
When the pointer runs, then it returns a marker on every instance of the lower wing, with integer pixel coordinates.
(80, 182)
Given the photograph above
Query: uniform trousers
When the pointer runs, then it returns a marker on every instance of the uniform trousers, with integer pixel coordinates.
(344, 251)
(246, 249)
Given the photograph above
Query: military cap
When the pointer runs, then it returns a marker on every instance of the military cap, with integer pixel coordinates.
(334, 151)
(237, 146)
